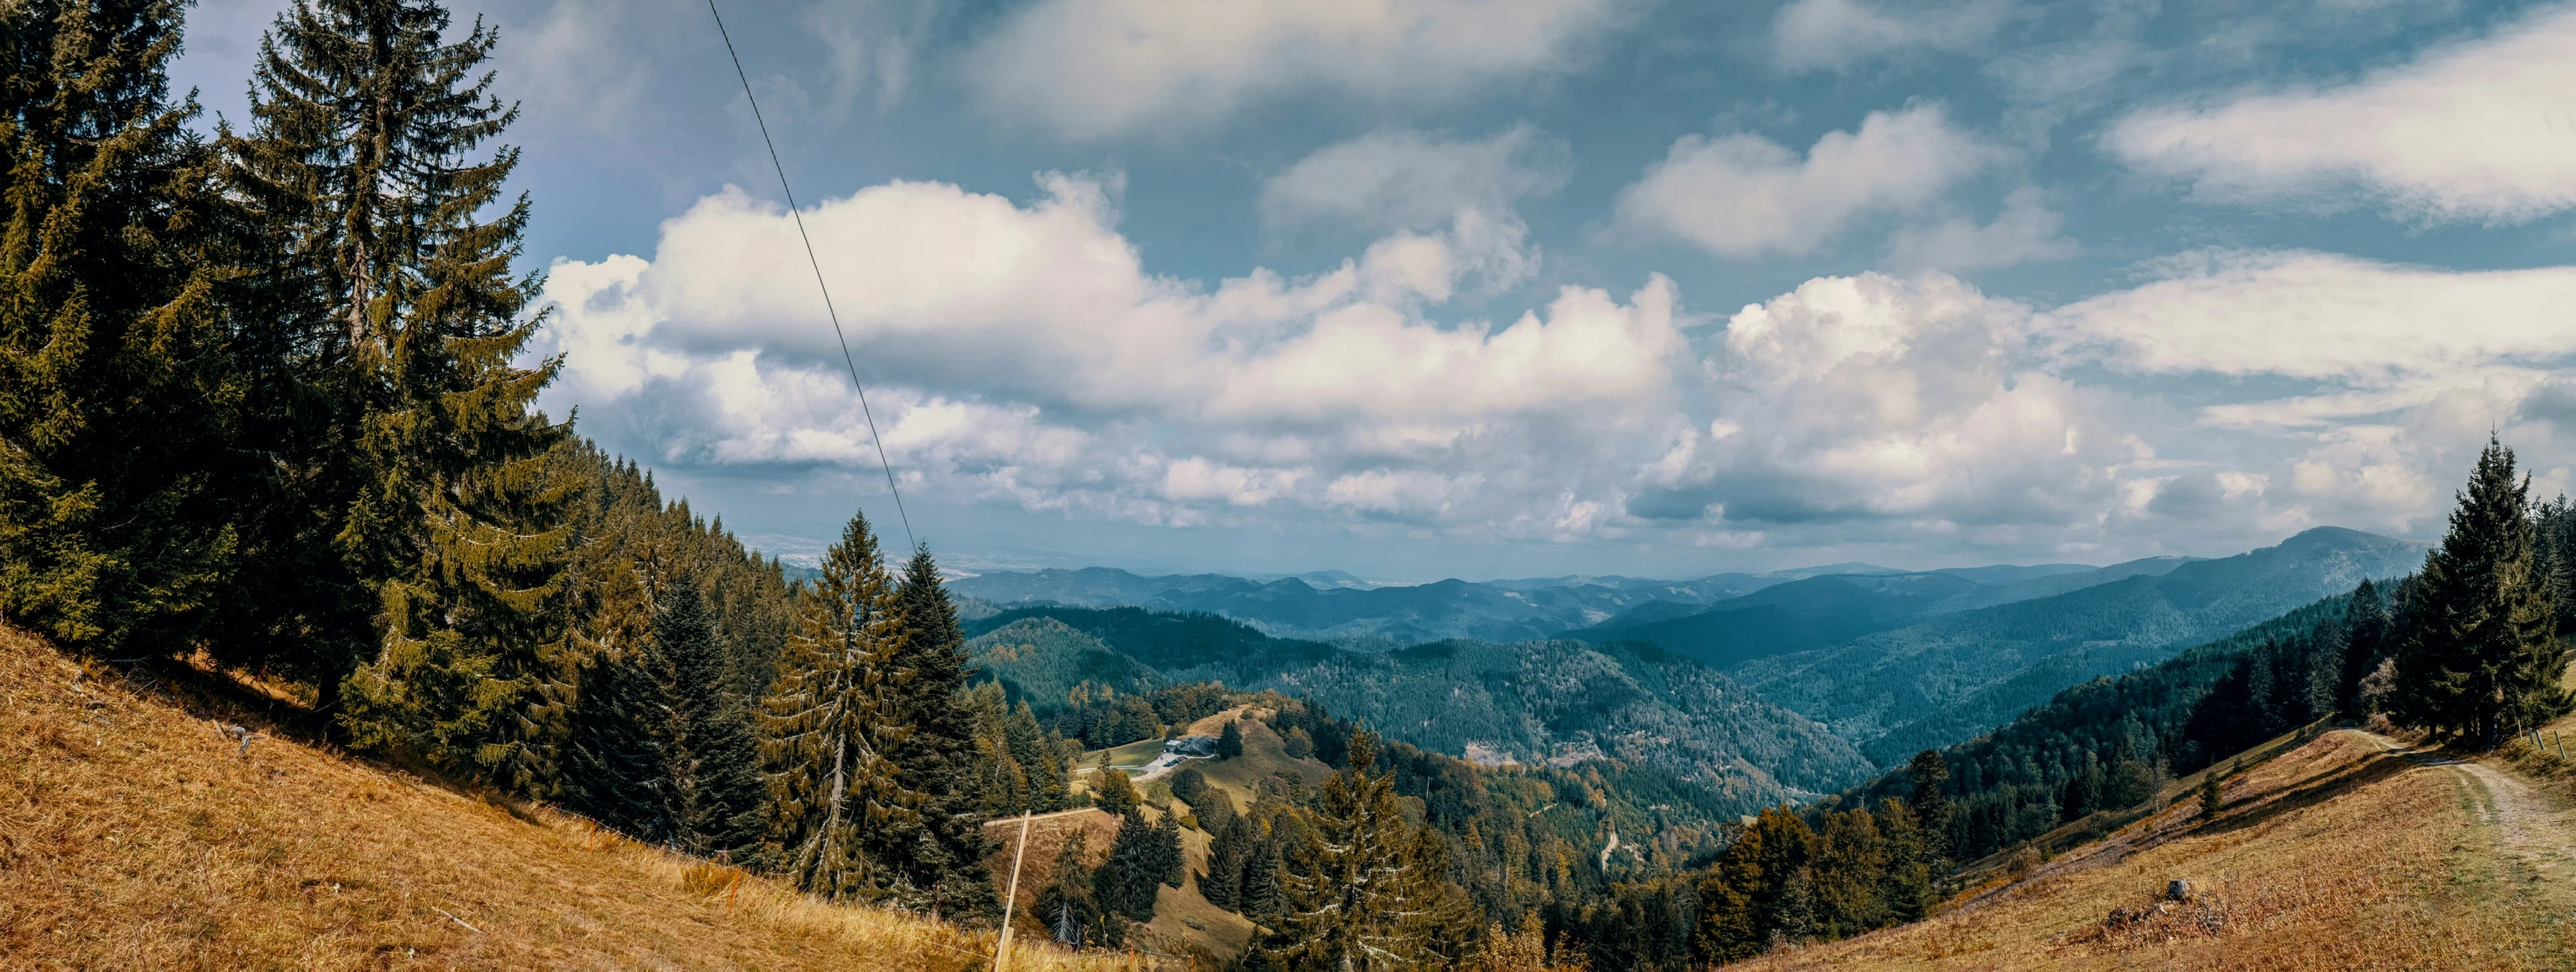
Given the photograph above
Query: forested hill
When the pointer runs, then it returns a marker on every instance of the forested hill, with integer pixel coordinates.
(2105, 742)
(1952, 676)
(1526, 702)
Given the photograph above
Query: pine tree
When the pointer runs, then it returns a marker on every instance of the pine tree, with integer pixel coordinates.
(712, 791)
(1125, 882)
(2479, 656)
(2366, 644)
(844, 823)
(119, 394)
(938, 754)
(612, 768)
(1229, 851)
(1229, 743)
(1928, 774)
(1367, 892)
(429, 472)
(1040, 760)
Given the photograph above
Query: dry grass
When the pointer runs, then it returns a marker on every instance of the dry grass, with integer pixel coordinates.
(135, 835)
(2336, 855)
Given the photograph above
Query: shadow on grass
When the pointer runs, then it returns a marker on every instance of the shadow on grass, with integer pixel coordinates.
(2316, 789)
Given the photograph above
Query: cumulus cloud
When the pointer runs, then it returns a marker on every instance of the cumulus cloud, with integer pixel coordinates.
(1022, 354)
(1836, 35)
(1742, 195)
(1408, 180)
(1095, 68)
(1884, 398)
(2478, 130)
(1026, 356)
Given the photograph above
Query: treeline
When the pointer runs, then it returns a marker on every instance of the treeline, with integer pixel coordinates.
(2469, 650)
(260, 396)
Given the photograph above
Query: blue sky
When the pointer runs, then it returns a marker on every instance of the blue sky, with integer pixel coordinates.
(1530, 287)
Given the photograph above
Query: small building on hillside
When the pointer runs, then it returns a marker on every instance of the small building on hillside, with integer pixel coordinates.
(1195, 747)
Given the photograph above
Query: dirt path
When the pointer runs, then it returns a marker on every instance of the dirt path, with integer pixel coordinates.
(2530, 826)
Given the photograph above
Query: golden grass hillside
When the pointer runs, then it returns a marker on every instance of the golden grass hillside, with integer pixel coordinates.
(2349, 852)
(134, 834)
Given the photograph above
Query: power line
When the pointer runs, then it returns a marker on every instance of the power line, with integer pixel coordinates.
(817, 264)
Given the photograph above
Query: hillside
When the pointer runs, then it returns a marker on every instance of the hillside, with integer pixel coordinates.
(1560, 702)
(135, 834)
(1529, 702)
(1950, 677)
(2351, 851)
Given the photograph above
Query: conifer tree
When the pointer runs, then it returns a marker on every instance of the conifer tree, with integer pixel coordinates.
(937, 753)
(1929, 775)
(119, 394)
(1367, 892)
(1229, 743)
(421, 466)
(844, 823)
(712, 791)
(1229, 851)
(1041, 762)
(2480, 655)
(1125, 882)
(612, 768)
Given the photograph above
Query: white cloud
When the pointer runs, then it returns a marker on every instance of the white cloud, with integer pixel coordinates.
(1094, 68)
(2373, 336)
(2025, 231)
(1743, 195)
(2479, 130)
(1021, 354)
(1410, 180)
(1836, 35)
(1878, 398)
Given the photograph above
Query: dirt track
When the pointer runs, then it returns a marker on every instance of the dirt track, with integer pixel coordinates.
(2532, 827)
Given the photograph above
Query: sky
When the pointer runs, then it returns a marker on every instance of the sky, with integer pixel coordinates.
(1537, 287)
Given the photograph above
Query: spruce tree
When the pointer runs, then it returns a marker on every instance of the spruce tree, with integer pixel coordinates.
(844, 823)
(1040, 760)
(612, 767)
(1929, 775)
(1229, 743)
(2366, 644)
(1126, 880)
(426, 469)
(1368, 892)
(118, 387)
(938, 754)
(2479, 656)
(712, 790)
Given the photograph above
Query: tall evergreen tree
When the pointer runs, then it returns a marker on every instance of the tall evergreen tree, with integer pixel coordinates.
(711, 791)
(612, 767)
(118, 392)
(844, 823)
(2366, 644)
(421, 460)
(1368, 892)
(1040, 761)
(2480, 656)
(938, 753)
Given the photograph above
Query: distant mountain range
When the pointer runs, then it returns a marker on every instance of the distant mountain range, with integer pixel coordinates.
(1553, 701)
(1891, 661)
(1949, 676)
(1338, 607)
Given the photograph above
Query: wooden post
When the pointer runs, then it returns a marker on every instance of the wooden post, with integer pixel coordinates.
(1002, 948)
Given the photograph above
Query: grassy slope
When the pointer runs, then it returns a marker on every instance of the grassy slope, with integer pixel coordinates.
(134, 835)
(1184, 921)
(2336, 854)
